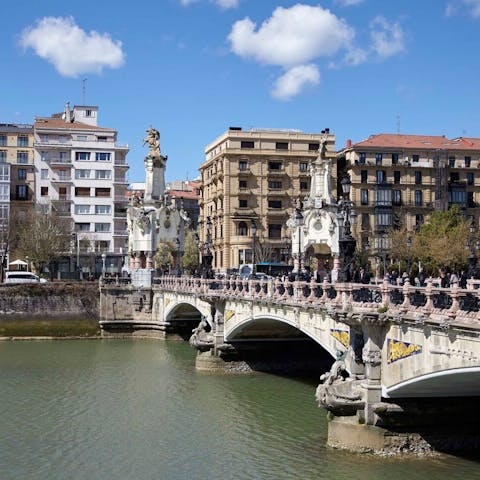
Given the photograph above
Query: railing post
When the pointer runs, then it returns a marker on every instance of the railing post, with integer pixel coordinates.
(406, 294)
(454, 294)
(385, 289)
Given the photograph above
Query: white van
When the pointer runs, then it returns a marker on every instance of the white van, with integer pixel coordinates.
(23, 277)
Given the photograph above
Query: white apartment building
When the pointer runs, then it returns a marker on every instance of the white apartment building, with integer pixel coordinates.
(80, 173)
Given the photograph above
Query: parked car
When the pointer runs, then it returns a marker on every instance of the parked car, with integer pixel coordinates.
(22, 277)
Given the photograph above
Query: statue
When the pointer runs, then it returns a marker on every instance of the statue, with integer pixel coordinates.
(153, 140)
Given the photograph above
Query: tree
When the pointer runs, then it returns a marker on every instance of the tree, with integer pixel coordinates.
(191, 253)
(43, 237)
(163, 256)
(442, 242)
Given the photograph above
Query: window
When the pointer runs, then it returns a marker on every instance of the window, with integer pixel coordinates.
(381, 176)
(82, 191)
(418, 177)
(397, 197)
(242, 229)
(454, 176)
(394, 158)
(242, 184)
(275, 166)
(364, 196)
(62, 191)
(274, 185)
(313, 146)
(470, 178)
(362, 157)
(470, 200)
(82, 173)
(243, 203)
(418, 220)
(82, 156)
(82, 138)
(44, 191)
(82, 227)
(44, 174)
(383, 219)
(3, 156)
(103, 209)
(363, 176)
(415, 158)
(21, 192)
(383, 197)
(281, 145)
(22, 157)
(103, 174)
(303, 185)
(418, 198)
(468, 162)
(365, 221)
(274, 231)
(3, 140)
(102, 192)
(88, 113)
(5, 173)
(82, 209)
(247, 144)
(396, 176)
(303, 166)
(451, 162)
(274, 204)
(102, 139)
(458, 196)
(22, 174)
(102, 227)
(378, 158)
(22, 141)
(242, 165)
(4, 192)
(102, 157)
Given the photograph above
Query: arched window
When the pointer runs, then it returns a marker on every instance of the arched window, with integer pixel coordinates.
(242, 229)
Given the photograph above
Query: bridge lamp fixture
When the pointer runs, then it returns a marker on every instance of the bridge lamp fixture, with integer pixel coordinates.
(299, 221)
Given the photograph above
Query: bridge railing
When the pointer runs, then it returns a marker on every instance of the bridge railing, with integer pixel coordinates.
(430, 299)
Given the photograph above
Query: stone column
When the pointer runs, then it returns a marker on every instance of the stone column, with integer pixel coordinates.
(149, 264)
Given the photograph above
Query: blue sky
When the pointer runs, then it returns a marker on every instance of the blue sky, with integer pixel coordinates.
(192, 68)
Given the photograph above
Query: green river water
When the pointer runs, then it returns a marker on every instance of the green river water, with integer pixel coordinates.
(113, 409)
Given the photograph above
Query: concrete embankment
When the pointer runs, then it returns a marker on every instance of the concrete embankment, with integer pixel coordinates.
(54, 310)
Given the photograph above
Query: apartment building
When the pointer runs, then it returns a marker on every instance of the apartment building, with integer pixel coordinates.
(185, 194)
(398, 180)
(255, 177)
(81, 175)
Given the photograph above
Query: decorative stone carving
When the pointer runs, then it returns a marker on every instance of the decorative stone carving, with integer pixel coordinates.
(371, 357)
(202, 337)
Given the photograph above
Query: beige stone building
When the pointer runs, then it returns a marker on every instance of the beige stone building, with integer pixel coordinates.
(255, 176)
(398, 180)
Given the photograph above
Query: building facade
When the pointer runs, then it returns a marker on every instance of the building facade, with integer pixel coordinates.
(185, 194)
(398, 180)
(81, 175)
(255, 178)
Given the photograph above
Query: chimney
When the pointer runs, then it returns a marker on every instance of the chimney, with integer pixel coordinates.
(327, 131)
(349, 143)
(68, 117)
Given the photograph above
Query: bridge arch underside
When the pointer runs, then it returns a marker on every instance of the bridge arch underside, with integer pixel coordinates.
(274, 345)
(182, 319)
(458, 382)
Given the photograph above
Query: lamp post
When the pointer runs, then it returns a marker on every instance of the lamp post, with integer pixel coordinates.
(472, 258)
(104, 257)
(253, 228)
(347, 242)
(299, 221)
(28, 263)
(409, 247)
(207, 256)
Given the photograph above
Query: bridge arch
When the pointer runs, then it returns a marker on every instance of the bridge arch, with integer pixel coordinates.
(260, 325)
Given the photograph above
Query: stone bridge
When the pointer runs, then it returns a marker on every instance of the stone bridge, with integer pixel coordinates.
(402, 355)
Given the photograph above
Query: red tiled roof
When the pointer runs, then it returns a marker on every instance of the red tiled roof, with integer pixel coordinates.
(392, 140)
(183, 194)
(59, 123)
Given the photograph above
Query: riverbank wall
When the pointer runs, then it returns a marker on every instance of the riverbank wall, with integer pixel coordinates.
(51, 309)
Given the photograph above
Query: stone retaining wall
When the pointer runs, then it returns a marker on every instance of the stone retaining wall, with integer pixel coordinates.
(55, 301)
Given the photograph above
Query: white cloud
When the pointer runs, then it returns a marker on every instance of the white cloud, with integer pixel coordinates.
(474, 7)
(387, 38)
(355, 56)
(294, 80)
(291, 36)
(71, 50)
(348, 3)
(227, 3)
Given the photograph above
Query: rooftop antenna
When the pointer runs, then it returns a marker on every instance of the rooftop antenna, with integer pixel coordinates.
(84, 88)
(398, 124)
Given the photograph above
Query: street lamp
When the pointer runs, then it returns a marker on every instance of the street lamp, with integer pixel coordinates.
(409, 246)
(299, 221)
(28, 263)
(472, 258)
(347, 242)
(104, 257)
(207, 256)
(253, 227)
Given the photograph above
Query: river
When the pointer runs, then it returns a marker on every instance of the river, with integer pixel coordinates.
(114, 409)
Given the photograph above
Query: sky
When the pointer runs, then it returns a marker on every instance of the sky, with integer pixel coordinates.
(193, 68)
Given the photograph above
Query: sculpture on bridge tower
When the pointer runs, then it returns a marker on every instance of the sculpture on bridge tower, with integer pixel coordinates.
(154, 220)
(317, 226)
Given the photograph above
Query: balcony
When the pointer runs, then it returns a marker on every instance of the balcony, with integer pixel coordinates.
(121, 162)
(52, 161)
(119, 233)
(62, 198)
(62, 179)
(52, 143)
